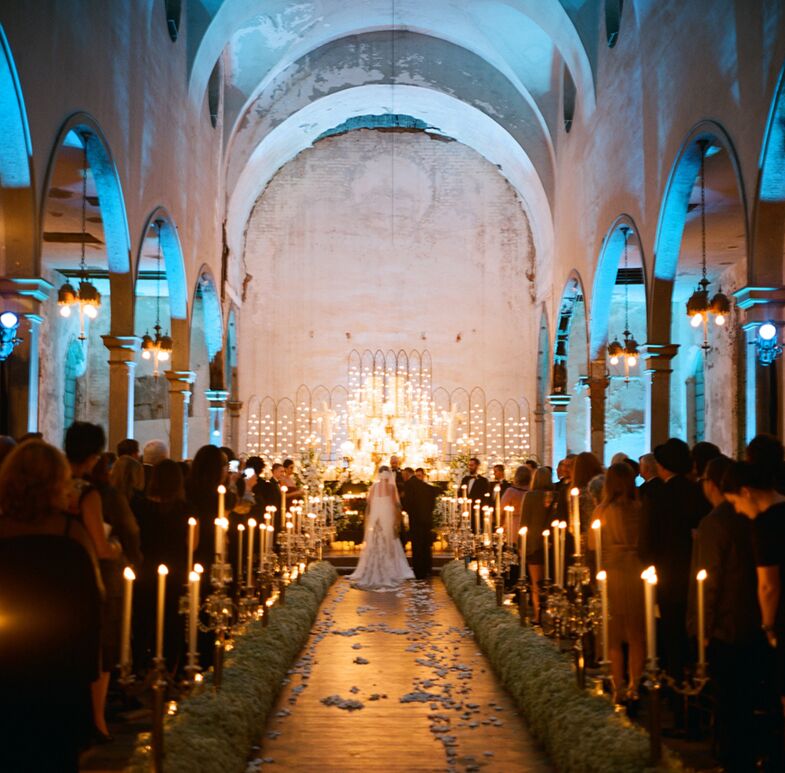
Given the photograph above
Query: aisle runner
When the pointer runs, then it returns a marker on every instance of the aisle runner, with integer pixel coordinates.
(394, 682)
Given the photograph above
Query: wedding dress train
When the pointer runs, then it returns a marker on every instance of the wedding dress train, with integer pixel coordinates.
(382, 565)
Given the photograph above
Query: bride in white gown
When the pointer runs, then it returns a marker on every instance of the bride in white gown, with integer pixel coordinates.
(382, 565)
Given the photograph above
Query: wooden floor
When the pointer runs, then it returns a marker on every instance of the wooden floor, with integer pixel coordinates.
(424, 697)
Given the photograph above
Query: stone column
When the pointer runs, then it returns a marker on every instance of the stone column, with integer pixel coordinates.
(539, 434)
(559, 405)
(763, 384)
(235, 411)
(598, 382)
(24, 296)
(179, 399)
(657, 362)
(122, 365)
(216, 403)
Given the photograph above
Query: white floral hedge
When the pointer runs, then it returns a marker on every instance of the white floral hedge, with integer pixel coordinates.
(215, 731)
(580, 731)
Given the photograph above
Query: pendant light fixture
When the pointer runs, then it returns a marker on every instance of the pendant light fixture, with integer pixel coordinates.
(699, 307)
(159, 349)
(628, 351)
(88, 299)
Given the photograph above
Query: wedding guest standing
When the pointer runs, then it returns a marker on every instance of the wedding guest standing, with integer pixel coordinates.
(751, 490)
(619, 512)
(163, 523)
(84, 443)
(50, 596)
(209, 470)
(585, 467)
(666, 542)
(723, 547)
(651, 481)
(539, 506)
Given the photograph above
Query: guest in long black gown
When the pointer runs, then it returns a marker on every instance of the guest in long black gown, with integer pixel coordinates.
(50, 595)
(163, 525)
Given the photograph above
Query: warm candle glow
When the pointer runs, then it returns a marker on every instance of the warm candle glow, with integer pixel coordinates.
(523, 530)
(128, 573)
(162, 569)
(240, 527)
(575, 492)
(198, 568)
(702, 575)
(595, 524)
(602, 576)
(222, 489)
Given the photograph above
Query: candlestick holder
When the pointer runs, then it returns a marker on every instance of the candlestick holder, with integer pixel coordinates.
(159, 695)
(653, 686)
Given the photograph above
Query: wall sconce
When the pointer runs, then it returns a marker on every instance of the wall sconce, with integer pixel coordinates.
(767, 347)
(9, 324)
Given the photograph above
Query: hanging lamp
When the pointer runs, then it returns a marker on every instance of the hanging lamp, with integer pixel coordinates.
(699, 308)
(628, 351)
(87, 298)
(159, 349)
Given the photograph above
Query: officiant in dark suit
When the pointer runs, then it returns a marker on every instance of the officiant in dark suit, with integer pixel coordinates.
(419, 500)
(477, 486)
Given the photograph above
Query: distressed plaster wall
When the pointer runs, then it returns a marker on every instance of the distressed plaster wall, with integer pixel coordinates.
(390, 240)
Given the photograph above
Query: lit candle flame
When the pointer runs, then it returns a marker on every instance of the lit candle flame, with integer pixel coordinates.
(702, 575)
(162, 569)
(128, 573)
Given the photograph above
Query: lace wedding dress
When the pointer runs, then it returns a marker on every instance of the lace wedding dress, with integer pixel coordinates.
(382, 565)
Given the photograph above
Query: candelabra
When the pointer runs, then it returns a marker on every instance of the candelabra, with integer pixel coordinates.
(573, 612)
(219, 609)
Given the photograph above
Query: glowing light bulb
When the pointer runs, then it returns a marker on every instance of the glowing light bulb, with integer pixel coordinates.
(614, 360)
(767, 331)
(91, 311)
(719, 320)
(65, 311)
(163, 357)
(632, 361)
(696, 320)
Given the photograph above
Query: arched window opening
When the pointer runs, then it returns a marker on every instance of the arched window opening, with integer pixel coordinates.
(569, 94)
(173, 12)
(696, 403)
(613, 11)
(214, 93)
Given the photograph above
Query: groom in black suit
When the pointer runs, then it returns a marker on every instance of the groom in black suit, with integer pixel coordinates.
(478, 487)
(419, 500)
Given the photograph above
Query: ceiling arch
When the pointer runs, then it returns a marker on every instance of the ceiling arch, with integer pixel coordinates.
(410, 60)
(270, 34)
(453, 117)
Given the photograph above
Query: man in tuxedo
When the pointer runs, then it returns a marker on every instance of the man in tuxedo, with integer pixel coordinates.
(478, 488)
(268, 494)
(419, 500)
(395, 469)
(499, 480)
(651, 482)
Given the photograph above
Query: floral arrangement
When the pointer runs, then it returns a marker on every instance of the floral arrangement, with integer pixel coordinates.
(216, 730)
(580, 731)
(311, 469)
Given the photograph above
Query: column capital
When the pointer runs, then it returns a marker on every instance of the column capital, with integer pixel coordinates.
(657, 357)
(749, 297)
(180, 380)
(559, 402)
(235, 406)
(33, 289)
(216, 397)
(122, 348)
